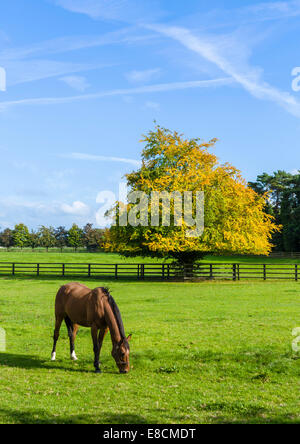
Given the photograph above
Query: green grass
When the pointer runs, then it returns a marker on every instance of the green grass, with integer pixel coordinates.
(111, 258)
(211, 352)
(101, 258)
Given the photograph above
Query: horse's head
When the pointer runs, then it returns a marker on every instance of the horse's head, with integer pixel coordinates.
(120, 353)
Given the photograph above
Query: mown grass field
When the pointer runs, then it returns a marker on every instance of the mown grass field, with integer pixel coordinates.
(103, 258)
(211, 352)
(111, 258)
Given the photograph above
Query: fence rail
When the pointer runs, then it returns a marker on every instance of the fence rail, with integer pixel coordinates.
(203, 271)
(284, 254)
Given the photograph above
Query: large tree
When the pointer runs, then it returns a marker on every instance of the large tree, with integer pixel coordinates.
(21, 236)
(34, 239)
(75, 237)
(47, 237)
(235, 221)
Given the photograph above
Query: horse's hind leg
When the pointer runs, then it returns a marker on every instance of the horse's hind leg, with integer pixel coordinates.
(75, 330)
(72, 331)
(58, 322)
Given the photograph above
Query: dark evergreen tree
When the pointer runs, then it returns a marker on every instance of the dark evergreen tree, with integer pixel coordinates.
(92, 237)
(6, 238)
(284, 205)
(61, 237)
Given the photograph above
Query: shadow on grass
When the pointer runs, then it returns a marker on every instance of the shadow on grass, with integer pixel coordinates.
(249, 414)
(33, 362)
(42, 417)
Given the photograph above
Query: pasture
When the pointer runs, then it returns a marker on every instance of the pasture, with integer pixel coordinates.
(211, 352)
(112, 258)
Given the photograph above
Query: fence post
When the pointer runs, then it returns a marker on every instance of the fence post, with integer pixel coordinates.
(234, 271)
(164, 271)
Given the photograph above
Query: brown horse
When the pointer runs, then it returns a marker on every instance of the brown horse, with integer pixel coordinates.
(78, 305)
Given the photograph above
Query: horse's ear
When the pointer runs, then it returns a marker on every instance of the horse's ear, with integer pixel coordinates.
(129, 337)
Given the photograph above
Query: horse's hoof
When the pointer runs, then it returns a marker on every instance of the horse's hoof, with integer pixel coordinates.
(53, 356)
(98, 371)
(74, 357)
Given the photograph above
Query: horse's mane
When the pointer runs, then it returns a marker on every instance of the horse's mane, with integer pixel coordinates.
(117, 314)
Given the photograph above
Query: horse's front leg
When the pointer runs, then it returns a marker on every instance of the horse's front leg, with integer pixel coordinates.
(94, 331)
(101, 336)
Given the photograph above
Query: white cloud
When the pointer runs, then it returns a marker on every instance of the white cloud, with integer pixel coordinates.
(15, 201)
(76, 82)
(95, 158)
(22, 63)
(157, 88)
(120, 10)
(65, 44)
(228, 55)
(77, 209)
(273, 10)
(244, 15)
(35, 213)
(143, 76)
(29, 71)
(107, 9)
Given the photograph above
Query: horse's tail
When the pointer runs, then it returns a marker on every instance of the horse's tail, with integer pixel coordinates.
(60, 300)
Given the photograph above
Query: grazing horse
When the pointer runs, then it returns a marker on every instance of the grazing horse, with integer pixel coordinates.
(78, 305)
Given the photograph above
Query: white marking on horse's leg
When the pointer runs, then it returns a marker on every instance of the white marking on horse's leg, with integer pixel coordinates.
(73, 356)
(53, 356)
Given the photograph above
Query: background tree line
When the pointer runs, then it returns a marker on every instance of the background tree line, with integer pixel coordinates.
(49, 237)
(284, 204)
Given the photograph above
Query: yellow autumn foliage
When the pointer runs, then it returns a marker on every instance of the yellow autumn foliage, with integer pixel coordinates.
(234, 223)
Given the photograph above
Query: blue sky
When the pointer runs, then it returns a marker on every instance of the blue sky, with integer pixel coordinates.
(86, 78)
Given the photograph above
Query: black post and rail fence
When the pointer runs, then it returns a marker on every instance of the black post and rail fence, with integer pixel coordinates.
(164, 271)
